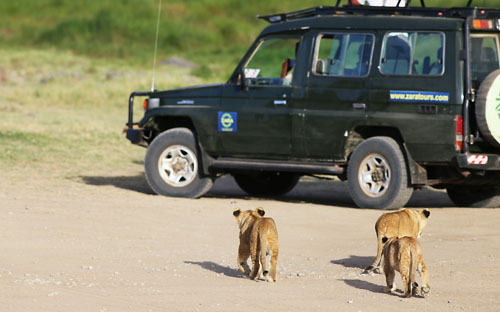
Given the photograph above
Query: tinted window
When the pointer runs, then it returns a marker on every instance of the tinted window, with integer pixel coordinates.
(484, 55)
(413, 53)
(343, 54)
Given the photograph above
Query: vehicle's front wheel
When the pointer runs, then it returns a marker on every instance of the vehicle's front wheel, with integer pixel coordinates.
(377, 175)
(477, 197)
(172, 165)
(266, 183)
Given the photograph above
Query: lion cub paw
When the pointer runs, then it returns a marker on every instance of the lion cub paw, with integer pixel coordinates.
(388, 289)
(425, 291)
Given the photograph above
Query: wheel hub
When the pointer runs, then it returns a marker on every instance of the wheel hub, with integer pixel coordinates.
(379, 175)
(178, 165)
(374, 175)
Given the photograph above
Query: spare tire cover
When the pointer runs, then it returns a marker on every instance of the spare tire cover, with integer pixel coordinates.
(488, 108)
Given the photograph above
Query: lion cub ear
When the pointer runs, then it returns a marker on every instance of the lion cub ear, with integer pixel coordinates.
(236, 212)
(261, 211)
(427, 213)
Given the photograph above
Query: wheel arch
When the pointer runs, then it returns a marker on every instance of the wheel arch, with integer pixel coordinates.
(417, 173)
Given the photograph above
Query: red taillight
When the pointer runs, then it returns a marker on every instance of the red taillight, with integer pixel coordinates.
(459, 141)
(483, 24)
(145, 104)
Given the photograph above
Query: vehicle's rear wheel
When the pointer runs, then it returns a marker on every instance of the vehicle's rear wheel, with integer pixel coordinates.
(266, 183)
(172, 165)
(377, 175)
(474, 196)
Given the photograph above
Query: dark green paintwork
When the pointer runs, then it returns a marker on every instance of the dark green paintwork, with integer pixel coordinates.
(318, 122)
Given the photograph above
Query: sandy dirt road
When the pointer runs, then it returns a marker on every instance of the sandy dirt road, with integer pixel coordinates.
(107, 244)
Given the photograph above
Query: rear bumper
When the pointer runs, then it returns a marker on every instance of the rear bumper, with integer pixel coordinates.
(479, 161)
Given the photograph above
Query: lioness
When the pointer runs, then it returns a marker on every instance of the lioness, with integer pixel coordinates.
(404, 222)
(405, 256)
(258, 237)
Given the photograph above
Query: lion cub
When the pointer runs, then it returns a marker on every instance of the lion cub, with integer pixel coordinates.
(258, 237)
(405, 256)
(404, 222)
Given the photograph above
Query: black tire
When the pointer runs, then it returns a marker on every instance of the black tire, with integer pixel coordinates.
(377, 175)
(173, 166)
(266, 183)
(487, 110)
(474, 196)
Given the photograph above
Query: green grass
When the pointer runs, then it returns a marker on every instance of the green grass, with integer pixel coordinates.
(213, 34)
(62, 114)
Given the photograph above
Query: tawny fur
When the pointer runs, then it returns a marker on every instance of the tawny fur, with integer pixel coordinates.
(258, 237)
(405, 256)
(404, 222)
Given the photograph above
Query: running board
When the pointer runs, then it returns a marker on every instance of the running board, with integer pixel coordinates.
(275, 165)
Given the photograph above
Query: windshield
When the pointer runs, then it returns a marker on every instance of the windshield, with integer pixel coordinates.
(484, 55)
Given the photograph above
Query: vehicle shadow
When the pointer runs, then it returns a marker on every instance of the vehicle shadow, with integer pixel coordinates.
(136, 183)
(325, 192)
(308, 190)
(217, 268)
(358, 262)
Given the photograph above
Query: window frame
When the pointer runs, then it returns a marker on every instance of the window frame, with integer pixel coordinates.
(316, 52)
(412, 54)
(256, 48)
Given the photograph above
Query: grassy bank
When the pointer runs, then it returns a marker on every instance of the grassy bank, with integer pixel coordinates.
(62, 114)
(213, 34)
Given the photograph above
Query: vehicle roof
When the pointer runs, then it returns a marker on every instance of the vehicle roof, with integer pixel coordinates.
(353, 22)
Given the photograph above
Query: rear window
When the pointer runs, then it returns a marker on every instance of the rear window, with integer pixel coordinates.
(413, 53)
(484, 55)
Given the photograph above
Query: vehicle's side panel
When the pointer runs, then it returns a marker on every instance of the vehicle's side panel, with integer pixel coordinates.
(427, 125)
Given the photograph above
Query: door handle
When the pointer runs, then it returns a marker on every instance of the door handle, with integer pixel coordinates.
(279, 102)
(358, 105)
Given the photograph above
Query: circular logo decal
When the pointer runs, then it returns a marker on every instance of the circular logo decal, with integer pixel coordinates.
(226, 120)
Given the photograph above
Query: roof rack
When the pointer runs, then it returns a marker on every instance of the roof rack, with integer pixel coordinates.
(351, 9)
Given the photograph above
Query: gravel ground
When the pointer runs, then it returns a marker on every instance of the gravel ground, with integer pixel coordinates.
(108, 244)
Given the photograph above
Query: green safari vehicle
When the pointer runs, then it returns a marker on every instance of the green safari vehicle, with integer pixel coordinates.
(390, 99)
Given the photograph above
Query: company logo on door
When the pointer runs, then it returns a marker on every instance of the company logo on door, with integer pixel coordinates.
(228, 122)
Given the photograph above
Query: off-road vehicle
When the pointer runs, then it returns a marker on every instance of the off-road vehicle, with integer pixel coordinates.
(388, 98)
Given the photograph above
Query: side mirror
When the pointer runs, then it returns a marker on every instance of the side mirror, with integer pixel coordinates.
(244, 83)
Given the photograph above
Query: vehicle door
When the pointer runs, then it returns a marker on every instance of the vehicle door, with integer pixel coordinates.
(336, 92)
(254, 120)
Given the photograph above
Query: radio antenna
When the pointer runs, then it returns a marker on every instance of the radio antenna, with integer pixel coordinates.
(156, 46)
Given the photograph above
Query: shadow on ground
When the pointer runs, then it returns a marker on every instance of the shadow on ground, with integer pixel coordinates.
(217, 268)
(136, 183)
(309, 190)
(354, 262)
(364, 285)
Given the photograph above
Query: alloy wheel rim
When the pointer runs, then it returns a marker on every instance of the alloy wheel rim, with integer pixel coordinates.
(374, 175)
(178, 165)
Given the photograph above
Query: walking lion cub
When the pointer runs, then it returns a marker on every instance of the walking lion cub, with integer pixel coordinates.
(258, 237)
(405, 256)
(404, 222)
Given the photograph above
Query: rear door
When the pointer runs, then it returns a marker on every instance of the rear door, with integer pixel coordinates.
(336, 92)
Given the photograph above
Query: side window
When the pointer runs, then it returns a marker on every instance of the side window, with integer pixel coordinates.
(343, 54)
(412, 53)
(273, 62)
